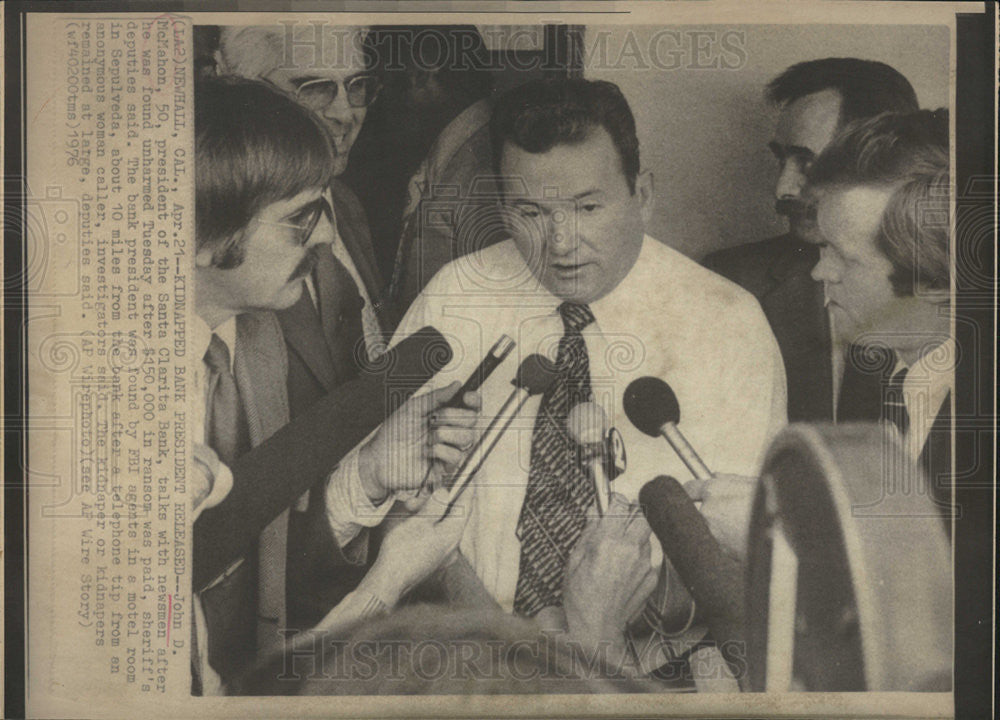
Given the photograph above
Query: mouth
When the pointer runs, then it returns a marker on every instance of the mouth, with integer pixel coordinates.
(340, 143)
(796, 210)
(566, 268)
(304, 267)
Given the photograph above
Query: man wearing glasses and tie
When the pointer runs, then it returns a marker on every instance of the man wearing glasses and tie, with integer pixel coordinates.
(339, 319)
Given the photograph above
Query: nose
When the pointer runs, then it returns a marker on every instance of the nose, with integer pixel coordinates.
(826, 269)
(560, 232)
(338, 109)
(791, 181)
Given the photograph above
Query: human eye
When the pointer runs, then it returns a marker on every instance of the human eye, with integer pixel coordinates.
(590, 207)
(526, 210)
(300, 218)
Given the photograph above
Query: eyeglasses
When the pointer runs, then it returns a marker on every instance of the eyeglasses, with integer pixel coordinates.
(319, 93)
(305, 220)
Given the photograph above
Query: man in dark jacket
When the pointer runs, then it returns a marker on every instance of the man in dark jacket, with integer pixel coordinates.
(817, 98)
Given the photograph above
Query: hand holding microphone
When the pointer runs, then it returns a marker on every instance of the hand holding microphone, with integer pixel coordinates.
(534, 376)
(407, 443)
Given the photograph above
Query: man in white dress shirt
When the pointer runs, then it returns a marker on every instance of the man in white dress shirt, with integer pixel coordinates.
(581, 282)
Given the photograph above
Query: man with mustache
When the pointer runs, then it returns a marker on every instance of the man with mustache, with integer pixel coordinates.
(339, 318)
(817, 99)
(262, 220)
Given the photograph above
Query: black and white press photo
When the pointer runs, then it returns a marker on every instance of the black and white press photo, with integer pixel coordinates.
(508, 358)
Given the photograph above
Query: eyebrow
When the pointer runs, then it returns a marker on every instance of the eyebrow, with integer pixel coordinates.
(303, 207)
(301, 79)
(786, 150)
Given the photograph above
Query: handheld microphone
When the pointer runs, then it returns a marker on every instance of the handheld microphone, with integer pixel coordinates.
(586, 424)
(500, 350)
(715, 580)
(533, 377)
(652, 407)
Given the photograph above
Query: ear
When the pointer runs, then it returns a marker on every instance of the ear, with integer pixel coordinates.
(644, 191)
(203, 257)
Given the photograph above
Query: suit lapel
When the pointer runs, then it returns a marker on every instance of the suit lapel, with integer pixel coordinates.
(301, 327)
(352, 226)
(261, 369)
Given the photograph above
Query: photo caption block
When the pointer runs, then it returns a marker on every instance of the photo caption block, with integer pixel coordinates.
(110, 240)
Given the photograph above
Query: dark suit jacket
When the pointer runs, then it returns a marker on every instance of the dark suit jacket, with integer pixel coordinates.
(259, 366)
(324, 353)
(323, 345)
(777, 272)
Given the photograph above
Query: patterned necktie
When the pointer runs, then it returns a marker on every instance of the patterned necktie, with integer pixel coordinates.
(555, 505)
(893, 405)
(227, 429)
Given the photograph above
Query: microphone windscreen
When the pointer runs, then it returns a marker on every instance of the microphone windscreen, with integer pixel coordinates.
(649, 404)
(306, 450)
(535, 374)
(714, 579)
(420, 355)
(587, 424)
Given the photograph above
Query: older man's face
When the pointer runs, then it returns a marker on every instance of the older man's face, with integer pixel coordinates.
(330, 78)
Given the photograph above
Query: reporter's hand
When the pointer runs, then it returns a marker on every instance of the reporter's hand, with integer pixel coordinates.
(608, 575)
(415, 548)
(726, 503)
(419, 438)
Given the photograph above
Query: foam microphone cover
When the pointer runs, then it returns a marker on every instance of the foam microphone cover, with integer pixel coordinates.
(535, 374)
(273, 475)
(649, 404)
(714, 579)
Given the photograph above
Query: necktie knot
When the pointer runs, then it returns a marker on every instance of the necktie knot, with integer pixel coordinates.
(217, 355)
(575, 316)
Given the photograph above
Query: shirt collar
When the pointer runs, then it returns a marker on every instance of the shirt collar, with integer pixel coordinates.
(620, 302)
(201, 337)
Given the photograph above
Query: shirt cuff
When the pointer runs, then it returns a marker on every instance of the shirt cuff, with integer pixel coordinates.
(348, 508)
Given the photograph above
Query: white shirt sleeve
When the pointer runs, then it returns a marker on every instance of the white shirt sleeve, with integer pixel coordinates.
(348, 508)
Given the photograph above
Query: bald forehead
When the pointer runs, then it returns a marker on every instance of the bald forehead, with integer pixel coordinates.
(254, 51)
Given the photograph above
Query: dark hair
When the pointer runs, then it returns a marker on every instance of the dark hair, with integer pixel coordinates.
(541, 114)
(867, 88)
(254, 145)
(908, 152)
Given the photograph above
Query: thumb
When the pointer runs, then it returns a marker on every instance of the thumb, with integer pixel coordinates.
(430, 401)
(436, 398)
(696, 488)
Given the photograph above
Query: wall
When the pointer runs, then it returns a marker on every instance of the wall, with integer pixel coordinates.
(703, 130)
